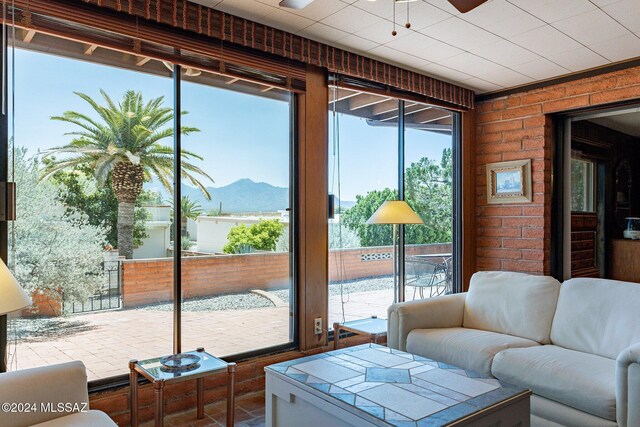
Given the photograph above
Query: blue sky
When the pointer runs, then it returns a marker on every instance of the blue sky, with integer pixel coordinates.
(242, 136)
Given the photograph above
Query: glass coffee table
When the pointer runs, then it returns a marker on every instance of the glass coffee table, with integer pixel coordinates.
(201, 364)
(373, 327)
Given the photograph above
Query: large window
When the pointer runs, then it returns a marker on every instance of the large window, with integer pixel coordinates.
(92, 152)
(364, 171)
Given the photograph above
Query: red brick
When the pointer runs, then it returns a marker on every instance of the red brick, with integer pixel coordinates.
(499, 210)
(491, 116)
(588, 87)
(520, 134)
(615, 95)
(543, 95)
(533, 143)
(533, 232)
(489, 221)
(534, 122)
(527, 110)
(485, 264)
(502, 126)
(514, 101)
(523, 221)
(499, 232)
(499, 253)
(533, 255)
(500, 147)
(489, 242)
(533, 267)
(629, 78)
(533, 211)
(523, 243)
(566, 104)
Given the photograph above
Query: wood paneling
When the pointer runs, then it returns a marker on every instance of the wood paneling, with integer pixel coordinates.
(313, 244)
(583, 245)
(625, 256)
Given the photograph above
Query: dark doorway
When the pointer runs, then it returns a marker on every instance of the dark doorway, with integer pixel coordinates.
(600, 189)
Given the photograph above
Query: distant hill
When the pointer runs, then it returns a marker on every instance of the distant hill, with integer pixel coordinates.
(243, 195)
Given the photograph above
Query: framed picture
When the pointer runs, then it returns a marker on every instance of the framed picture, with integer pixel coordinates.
(509, 182)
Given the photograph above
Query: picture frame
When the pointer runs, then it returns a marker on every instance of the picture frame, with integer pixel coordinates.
(509, 182)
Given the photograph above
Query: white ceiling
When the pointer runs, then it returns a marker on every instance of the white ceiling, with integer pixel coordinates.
(625, 122)
(499, 45)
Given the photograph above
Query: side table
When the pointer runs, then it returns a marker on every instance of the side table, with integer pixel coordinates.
(373, 327)
(159, 375)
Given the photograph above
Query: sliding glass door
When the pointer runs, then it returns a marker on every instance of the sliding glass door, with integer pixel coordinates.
(92, 145)
(382, 148)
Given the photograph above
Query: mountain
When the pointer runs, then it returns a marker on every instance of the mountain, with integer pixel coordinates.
(243, 195)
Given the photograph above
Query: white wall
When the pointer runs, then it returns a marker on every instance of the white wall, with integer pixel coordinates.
(159, 231)
(212, 231)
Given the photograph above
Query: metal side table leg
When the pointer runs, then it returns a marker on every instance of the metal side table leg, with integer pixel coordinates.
(133, 393)
(231, 393)
(158, 387)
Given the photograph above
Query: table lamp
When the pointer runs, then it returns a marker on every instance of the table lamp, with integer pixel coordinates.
(395, 212)
(12, 298)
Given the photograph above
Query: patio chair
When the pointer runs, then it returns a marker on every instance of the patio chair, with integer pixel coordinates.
(431, 273)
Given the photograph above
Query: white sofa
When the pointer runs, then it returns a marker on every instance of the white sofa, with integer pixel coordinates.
(51, 396)
(575, 345)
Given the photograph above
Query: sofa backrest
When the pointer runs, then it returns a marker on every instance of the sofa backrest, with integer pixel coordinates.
(516, 304)
(597, 316)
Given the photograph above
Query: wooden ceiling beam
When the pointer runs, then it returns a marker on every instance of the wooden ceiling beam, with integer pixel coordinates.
(365, 100)
(341, 95)
(29, 35)
(89, 49)
(430, 116)
(141, 60)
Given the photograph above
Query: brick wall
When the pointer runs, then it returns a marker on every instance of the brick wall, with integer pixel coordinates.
(149, 281)
(517, 237)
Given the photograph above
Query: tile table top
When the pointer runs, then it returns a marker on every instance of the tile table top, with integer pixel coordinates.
(391, 387)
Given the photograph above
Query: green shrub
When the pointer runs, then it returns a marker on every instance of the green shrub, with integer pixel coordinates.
(261, 236)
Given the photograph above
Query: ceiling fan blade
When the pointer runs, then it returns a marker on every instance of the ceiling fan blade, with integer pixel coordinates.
(465, 6)
(295, 4)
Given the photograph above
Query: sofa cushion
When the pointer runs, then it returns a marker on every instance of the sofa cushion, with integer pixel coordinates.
(81, 419)
(467, 348)
(597, 316)
(516, 304)
(580, 380)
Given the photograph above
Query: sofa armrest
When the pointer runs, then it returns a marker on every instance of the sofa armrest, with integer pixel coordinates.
(43, 389)
(628, 387)
(441, 312)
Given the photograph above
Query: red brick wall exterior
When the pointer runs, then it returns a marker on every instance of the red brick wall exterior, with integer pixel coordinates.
(517, 237)
(151, 280)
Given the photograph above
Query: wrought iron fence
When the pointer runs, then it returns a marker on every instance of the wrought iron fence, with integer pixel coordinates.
(108, 297)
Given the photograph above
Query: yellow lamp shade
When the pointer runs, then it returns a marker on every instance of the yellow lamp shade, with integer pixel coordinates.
(395, 212)
(12, 296)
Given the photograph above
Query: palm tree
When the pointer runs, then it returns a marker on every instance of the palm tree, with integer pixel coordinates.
(189, 209)
(123, 148)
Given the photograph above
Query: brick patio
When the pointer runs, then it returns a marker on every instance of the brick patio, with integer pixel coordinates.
(106, 341)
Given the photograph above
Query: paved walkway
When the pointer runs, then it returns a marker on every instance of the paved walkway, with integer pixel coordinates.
(106, 341)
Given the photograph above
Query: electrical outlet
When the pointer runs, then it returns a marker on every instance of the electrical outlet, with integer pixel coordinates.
(317, 326)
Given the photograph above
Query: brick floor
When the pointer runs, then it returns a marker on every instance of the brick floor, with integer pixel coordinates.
(106, 341)
(249, 412)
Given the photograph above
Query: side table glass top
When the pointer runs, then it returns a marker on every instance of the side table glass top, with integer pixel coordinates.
(372, 325)
(154, 370)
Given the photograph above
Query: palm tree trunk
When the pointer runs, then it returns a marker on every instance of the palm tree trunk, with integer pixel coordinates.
(125, 229)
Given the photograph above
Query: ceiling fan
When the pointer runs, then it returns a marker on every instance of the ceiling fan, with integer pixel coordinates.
(463, 6)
